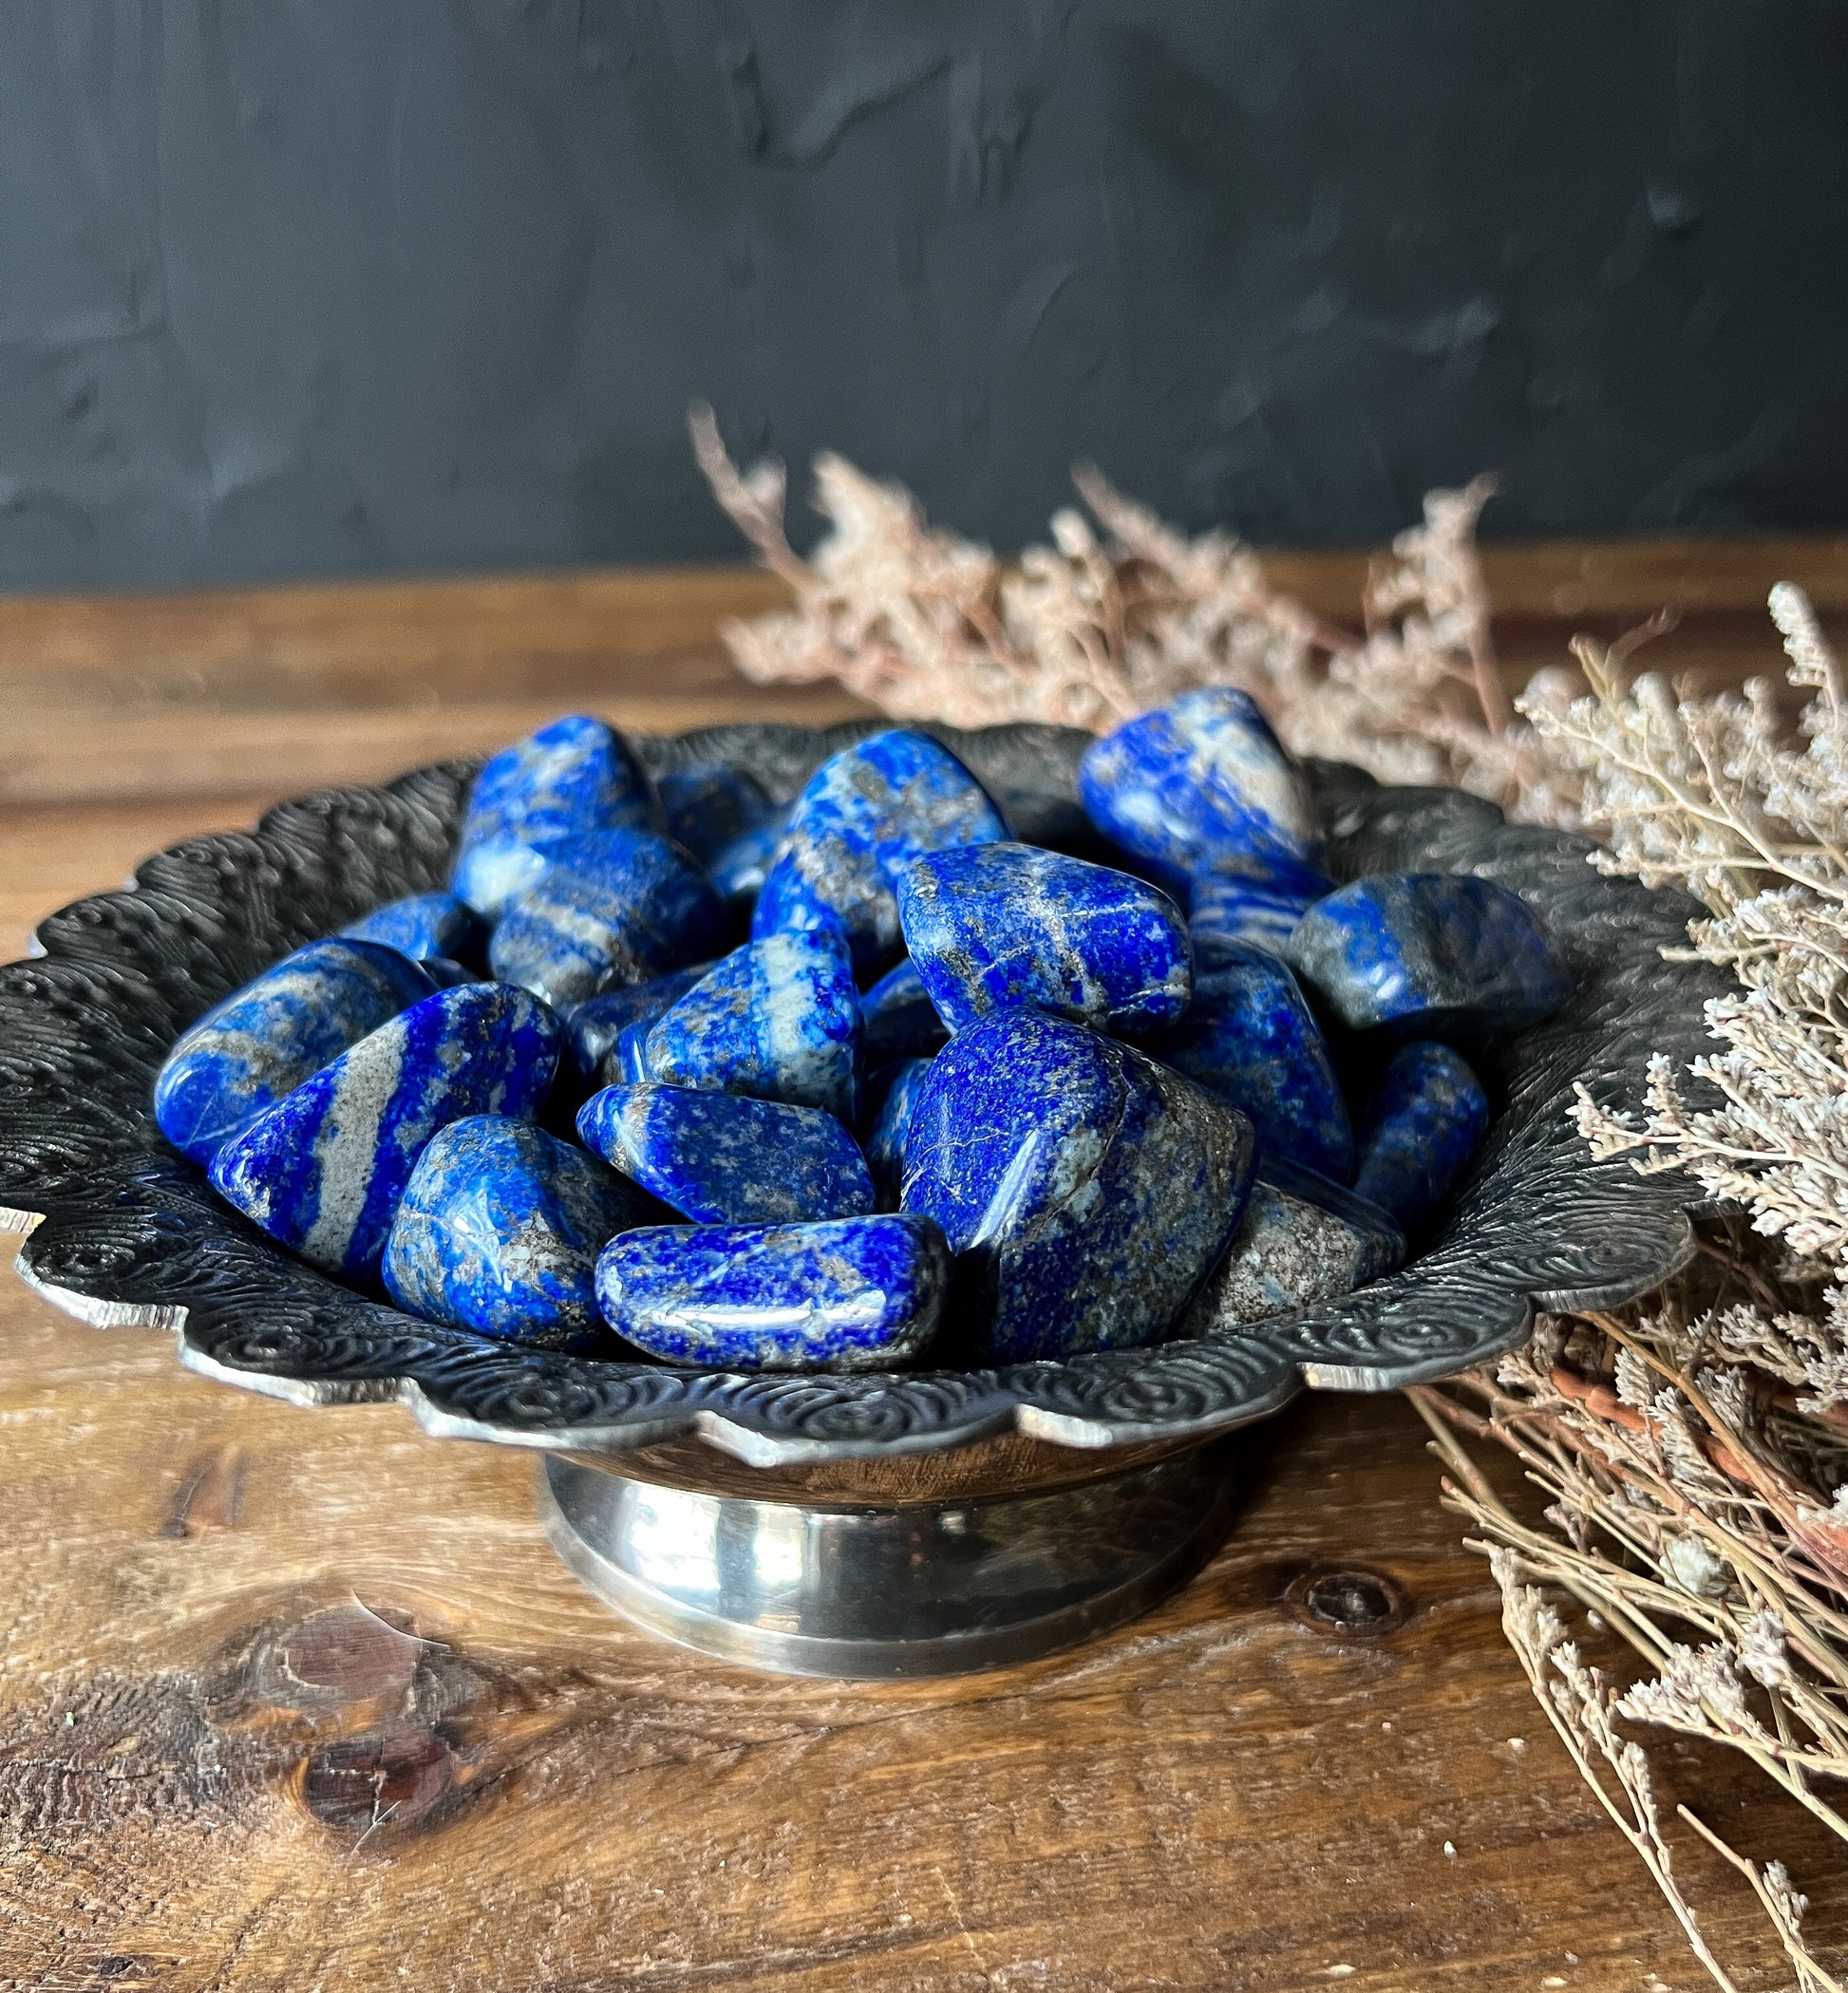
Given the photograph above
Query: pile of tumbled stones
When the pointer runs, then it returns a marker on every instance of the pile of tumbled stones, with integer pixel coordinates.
(956, 1093)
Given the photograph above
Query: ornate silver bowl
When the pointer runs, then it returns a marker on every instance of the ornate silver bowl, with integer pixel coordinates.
(913, 1523)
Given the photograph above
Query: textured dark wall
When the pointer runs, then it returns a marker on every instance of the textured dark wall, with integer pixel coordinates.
(316, 286)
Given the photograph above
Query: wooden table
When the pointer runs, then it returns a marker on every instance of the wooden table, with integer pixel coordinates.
(302, 1698)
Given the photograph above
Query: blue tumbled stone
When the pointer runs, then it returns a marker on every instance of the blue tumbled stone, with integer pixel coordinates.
(845, 1294)
(892, 1098)
(778, 1018)
(1423, 1126)
(1086, 1190)
(499, 1230)
(613, 908)
(739, 869)
(628, 1059)
(1252, 1039)
(1252, 904)
(728, 1159)
(323, 1170)
(574, 776)
(864, 815)
(427, 924)
(1420, 955)
(1199, 779)
(902, 1022)
(593, 1028)
(994, 926)
(710, 806)
(260, 1044)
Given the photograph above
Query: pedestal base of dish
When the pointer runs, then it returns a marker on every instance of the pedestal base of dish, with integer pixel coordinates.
(932, 1588)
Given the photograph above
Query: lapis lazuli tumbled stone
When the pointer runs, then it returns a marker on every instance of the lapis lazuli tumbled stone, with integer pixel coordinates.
(845, 1294)
(1203, 777)
(574, 776)
(739, 869)
(995, 927)
(1302, 1240)
(1425, 954)
(901, 1021)
(628, 1059)
(592, 1027)
(1422, 1128)
(711, 806)
(499, 1230)
(862, 818)
(323, 1170)
(728, 1159)
(891, 1096)
(778, 1018)
(1252, 903)
(425, 925)
(1252, 1039)
(1087, 1189)
(612, 909)
(265, 1038)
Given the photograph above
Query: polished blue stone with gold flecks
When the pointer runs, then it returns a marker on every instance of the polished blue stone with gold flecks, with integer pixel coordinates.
(1422, 1128)
(711, 804)
(425, 925)
(593, 1028)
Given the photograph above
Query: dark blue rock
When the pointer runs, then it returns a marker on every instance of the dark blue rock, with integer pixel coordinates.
(323, 1170)
(778, 1019)
(574, 776)
(902, 1022)
(613, 908)
(1251, 904)
(711, 805)
(1252, 1039)
(864, 815)
(1420, 1131)
(592, 1027)
(1086, 1190)
(891, 1096)
(846, 1294)
(1302, 1240)
(1420, 955)
(628, 1059)
(728, 1159)
(1199, 779)
(427, 924)
(499, 1230)
(447, 974)
(739, 869)
(265, 1038)
(995, 927)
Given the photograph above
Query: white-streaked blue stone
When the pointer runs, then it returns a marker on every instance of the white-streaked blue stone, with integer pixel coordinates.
(1252, 1039)
(891, 1096)
(778, 1018)
(730, 1159)
(425, 925)
(1421, 1129)
(613, 908)
(711, 806)
(1199, 779)
(1250, 903)
(1424, 954)
(246, 1052)
(323, 1170)
(844, 1294)
(739, 869)
(574, 776)
(1086, 1190)
(628, 1059)
(862, 818)
(593, 1028)
(499, 1230)
(901, 1019)
(997, 927)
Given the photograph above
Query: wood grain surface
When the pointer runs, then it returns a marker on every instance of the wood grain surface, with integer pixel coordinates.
(302, 1699)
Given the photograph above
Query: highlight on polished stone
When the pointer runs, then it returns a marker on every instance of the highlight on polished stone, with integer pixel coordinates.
(323, 1170)
(593, 1028)
(899, 1018)
(612, 908)
(261, 1041)
(865, 815)
(993, 926)
(1087, 1189)
(1421, 1129)
(845, 1294)
(778, 1018)
(891, 1099)
(1200, 779)
(728, 1159)
(1252, 1038)
(424, 924)
(499, 1230)
(575, 776)
(1424, 954)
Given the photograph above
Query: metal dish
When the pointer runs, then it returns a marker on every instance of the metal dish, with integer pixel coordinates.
(909, 1523)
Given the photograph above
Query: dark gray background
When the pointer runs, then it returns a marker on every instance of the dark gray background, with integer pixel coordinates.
(342, 285)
